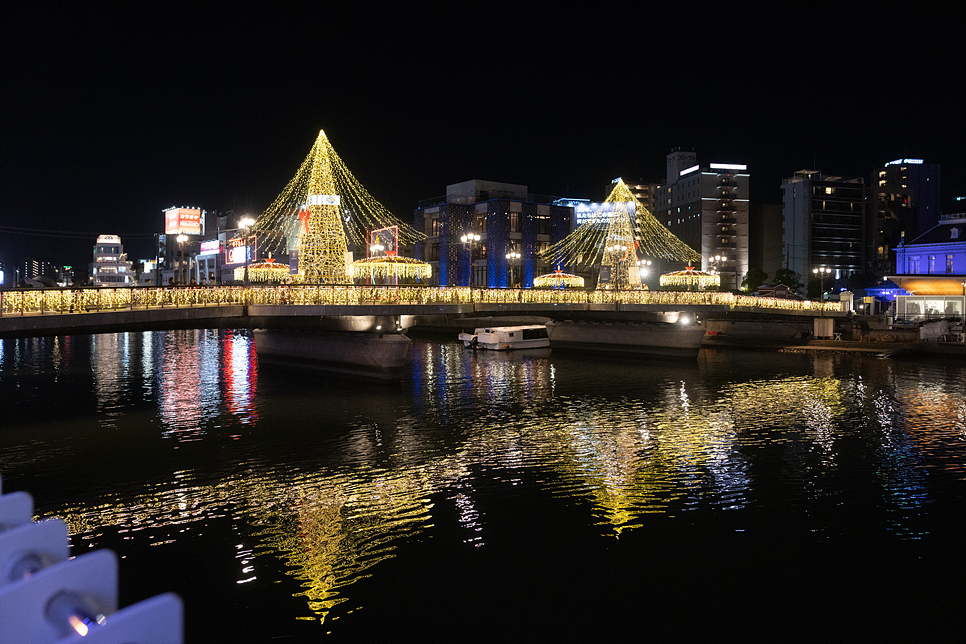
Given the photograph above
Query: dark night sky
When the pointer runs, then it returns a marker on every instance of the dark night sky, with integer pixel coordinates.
(112, 112)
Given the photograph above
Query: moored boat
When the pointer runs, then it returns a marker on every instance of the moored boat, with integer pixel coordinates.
(506, 338)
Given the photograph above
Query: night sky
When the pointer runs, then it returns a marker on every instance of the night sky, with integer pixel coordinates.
(112, 112)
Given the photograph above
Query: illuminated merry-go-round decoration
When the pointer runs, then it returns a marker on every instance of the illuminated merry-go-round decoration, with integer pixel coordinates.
(264, 270)
(691, 279)
(558, 279)
(390, 266)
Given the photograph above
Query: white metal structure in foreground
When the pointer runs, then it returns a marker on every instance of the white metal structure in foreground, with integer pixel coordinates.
(47, 596)
(504, 338)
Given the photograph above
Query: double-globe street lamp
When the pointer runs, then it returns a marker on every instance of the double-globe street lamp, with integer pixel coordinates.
(821, 272)
(470, 240)
(643, 269)
(245, 224)
(510, 257)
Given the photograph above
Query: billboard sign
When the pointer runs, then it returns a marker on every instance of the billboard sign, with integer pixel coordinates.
(235, 251)
(183, 220)
(212, 247)
(387, 238)
(324, 200)
(600, 214)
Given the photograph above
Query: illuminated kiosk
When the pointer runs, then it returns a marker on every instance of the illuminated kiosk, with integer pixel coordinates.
(264, 270)
(389, 268)
(691, 280)
(558, 279)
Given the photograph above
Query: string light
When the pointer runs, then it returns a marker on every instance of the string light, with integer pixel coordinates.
(17, 302)
(558, 279)
(339, 212)
(390, 266)
(264, 271)
(618, 245)
(691, 278)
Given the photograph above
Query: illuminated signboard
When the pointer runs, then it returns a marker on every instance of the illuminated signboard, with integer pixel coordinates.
(212, 247)
(907, 161)
(690, 170)
(324, 200)
(600, 214)
(235, 253)
(387, 238)
(183, 220)
(728, 166)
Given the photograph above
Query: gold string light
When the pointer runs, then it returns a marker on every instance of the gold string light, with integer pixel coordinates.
(558, 280)
(325, 208)
(618, 245)
(690, 279)
(59, 301)
(390, 266)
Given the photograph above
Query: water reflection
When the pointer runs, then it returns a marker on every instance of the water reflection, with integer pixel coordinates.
(338, 479)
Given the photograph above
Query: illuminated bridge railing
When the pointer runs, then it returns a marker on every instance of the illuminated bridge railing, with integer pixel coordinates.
(85, 300)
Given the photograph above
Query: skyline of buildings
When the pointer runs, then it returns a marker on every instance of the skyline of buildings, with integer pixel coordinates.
(849, 226)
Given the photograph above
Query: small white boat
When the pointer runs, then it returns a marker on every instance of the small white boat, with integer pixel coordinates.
(505, 338)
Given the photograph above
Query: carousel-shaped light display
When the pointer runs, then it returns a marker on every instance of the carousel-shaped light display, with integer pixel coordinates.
(691, 280)
(389, 266)
(264, 270)
(558, 279)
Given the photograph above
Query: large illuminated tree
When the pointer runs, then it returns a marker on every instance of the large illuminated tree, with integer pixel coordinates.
(616, 236)
(324, 207)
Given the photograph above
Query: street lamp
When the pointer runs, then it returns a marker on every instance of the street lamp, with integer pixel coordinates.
(181, 240)
(470, 240)
(510, 257)
(245, 224)
(643, 270)
(821, 272)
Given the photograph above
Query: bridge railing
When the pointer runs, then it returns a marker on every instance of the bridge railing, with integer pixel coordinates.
(86, 300)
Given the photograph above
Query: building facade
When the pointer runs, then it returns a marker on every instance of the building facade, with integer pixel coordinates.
(513, 230)
(823, 223)
(903, 204)
(111, 266)
(931, 272)
(706, 207)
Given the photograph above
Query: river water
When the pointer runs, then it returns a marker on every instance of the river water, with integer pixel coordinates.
(537, 496)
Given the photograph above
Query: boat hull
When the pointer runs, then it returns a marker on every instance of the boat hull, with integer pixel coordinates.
(508, 338)
(369, 356)
(657, 339)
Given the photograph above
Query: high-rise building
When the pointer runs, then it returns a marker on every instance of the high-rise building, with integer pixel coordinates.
(513, 226)
(823, 223)
(903, 204)
(111, 266)
(706, 206)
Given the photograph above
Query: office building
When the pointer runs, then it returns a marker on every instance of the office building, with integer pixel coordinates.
(513, 225)
(903, 204)
(706, 207)
(823, 223)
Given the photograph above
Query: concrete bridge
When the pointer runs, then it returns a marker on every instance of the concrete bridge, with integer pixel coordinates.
(35, 312)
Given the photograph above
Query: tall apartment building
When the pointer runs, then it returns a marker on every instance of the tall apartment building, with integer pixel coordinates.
(823, 223)
(903, 204)
(706, 206)
(509, 221)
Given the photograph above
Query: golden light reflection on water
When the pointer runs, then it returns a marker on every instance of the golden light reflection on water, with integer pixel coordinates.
(511, 421)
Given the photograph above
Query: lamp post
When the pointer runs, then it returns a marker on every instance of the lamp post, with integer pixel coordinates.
(374, 250)
(245, 224)
(510, 257)
(470, 240)
(643, 270)
(822, 271)
(181, 240)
